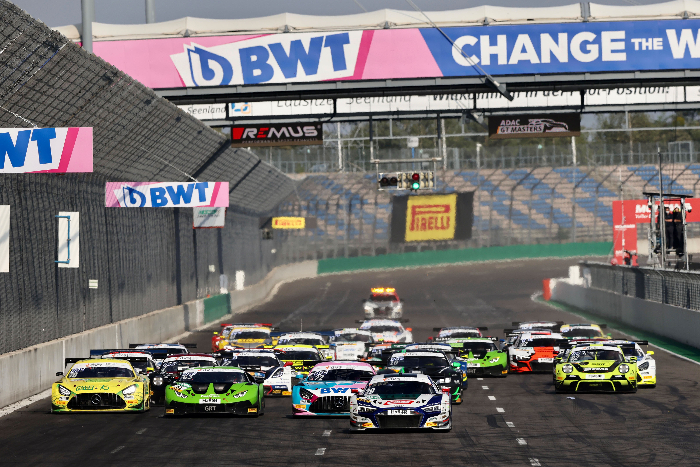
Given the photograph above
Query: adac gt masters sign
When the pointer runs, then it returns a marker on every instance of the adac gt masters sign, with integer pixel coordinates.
(288, 222)
(534, 126)
(277, 134)
(431, 217)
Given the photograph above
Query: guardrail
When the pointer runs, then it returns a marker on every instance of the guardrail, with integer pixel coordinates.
(676, 288)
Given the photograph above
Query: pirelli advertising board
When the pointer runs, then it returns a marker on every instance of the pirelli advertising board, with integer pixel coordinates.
(534, 126)
(428, 218)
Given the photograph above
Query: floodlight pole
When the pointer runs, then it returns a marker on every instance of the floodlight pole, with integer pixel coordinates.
(150, 11)
(87, 8)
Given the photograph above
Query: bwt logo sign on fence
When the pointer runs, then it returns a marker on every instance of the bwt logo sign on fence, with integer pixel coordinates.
(45, 150)
(274, 58)
(164, 195)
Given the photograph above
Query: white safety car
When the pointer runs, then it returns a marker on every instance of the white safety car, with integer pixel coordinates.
(387, 330)
(383, 302)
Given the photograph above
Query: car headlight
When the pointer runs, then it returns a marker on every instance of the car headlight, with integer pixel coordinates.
(63, 391)
(644, 366)
(129, 390)
(240, 394)
(432, 408)
(157, 380)
(567, 368)
(306, 394)
(444, 380)
(494, 360)
(623, 368)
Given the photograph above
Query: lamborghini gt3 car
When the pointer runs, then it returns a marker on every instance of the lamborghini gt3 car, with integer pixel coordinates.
(100, 385)
(401, 401)
(327, 388)
(482, 356)
(383, 302)
(215, 390)
(596, 368)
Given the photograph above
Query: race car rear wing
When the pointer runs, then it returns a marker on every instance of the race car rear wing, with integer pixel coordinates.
(480, 328)
(400, 320)
(71, 360)
(517, 323)
(187, 346)
(96, 353)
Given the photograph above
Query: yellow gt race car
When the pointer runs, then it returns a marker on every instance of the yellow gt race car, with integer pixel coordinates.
(245, 336)
(100, 385)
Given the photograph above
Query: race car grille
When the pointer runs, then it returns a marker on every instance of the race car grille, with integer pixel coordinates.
(545, 367)
(399, 421)
(96, 401)
(331, 404)
(200, 388)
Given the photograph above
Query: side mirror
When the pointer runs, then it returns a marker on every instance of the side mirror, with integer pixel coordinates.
(288, 363)
(59, 373)
(651, 352)
(409, 329)
(446, 390)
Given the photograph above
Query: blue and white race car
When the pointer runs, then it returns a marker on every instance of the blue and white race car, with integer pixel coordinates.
(401, 401)
(327, 388)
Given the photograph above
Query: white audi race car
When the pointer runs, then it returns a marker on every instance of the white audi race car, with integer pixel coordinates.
(383, 302)
(387, 330)
(401, 401)
(350, 343)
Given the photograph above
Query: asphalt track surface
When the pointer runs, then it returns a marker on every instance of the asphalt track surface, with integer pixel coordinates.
(516, 421)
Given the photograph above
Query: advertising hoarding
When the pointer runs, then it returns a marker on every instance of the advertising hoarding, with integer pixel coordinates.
(45, 150)
(208, 218)
(501, 50)
(288, 223)
(166, 195)
(277, 134)
(434, 217)
(534, 126)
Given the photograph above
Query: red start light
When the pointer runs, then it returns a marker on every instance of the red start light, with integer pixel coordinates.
(415, 177)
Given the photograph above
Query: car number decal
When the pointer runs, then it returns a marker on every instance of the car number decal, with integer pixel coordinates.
(595, 376)
(209, 401)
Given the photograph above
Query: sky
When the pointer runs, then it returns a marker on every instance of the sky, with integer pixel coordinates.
(63, 12)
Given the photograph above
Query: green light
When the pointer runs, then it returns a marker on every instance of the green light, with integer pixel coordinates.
(415, 185)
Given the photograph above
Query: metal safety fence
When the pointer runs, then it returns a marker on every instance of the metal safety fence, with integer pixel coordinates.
(681, 289)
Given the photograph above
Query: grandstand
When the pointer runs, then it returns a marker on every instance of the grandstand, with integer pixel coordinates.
(511, 206)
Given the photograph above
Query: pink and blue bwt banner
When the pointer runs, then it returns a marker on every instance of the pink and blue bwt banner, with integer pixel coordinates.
(45, 150)
(166, 195)
(408, 53)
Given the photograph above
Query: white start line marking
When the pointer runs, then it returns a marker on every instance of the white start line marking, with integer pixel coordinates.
(484, 387)
(492, 398)
(117, 450)
(534, 462)
(320, 451)
(510, 424)
(479, 379)
(521, 441)
(500, 410)
(141, 431)
(327, 432)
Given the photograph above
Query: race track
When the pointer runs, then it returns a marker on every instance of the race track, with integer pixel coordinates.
(516, 421)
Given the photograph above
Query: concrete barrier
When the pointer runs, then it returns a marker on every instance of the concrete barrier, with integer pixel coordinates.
(679, 324)
(29, 371)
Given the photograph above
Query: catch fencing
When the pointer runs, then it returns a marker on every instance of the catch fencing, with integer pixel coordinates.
(143, 259)
(676, 288)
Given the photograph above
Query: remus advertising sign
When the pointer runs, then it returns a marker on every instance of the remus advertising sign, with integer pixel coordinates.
(277, 134)
(534, 126)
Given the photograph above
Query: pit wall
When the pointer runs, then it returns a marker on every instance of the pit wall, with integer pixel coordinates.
(30, 371)
(675, 323)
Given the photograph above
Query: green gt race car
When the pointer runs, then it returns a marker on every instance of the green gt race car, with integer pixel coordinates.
(215, 390)
(595, 368)
(482, 356)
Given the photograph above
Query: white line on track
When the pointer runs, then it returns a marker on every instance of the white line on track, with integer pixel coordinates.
(500, 410)
(327, 432)
(117, 450)
(521, 441)
(479, 379)
(320, 451)
(484, 387)
(23, 403)
(534, 462)
(492, 398)
(141, 431)
(510, 424)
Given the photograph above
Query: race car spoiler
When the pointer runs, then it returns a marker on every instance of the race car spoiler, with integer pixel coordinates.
(71, 360)
(480, 328)
(99, 352)
(565, 344)
(187, 346)
(400, 320)
(558, 323)
(249, 325)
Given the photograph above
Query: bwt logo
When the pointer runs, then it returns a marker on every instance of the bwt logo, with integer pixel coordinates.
(31, 150)
(165, 195)
(274, 58)
(430, 217)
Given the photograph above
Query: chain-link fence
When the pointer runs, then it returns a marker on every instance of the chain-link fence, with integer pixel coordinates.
(143, 259)
(681, 289)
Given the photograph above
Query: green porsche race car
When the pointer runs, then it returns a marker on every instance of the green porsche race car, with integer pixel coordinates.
(218, 389)
(595, 368)
(482, 356)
